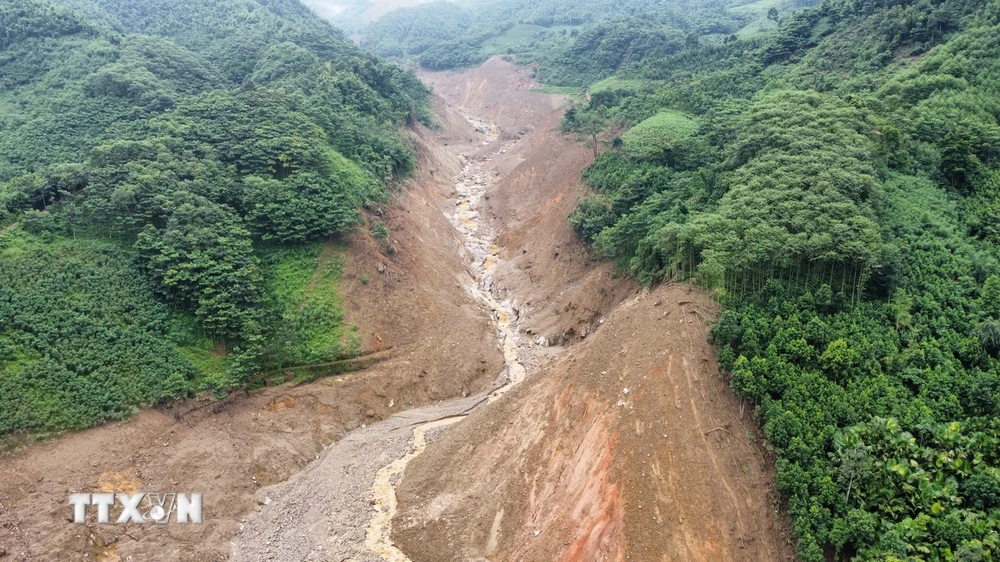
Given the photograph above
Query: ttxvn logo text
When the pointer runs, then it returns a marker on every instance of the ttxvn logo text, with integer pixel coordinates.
(138, 508)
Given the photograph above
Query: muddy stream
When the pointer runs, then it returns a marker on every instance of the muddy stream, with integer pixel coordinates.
(471, 185)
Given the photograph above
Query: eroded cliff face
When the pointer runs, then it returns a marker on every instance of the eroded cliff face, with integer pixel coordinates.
(630, 446)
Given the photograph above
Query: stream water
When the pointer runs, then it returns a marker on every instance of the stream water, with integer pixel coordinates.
(471, 185)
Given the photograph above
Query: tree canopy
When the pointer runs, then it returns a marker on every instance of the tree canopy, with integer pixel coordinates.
(835, 182)
(187, 140)
(573, 43)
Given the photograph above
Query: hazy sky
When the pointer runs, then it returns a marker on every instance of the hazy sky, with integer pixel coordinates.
(326, 8)
(369, 10)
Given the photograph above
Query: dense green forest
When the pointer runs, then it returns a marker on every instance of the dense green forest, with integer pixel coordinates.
(836, 182)
(573, 43)
(169, 171)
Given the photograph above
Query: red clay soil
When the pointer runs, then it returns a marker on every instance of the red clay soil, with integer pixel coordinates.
(630, 447)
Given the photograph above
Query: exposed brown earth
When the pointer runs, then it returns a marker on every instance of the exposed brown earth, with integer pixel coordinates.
(559, 290)
(630, 447)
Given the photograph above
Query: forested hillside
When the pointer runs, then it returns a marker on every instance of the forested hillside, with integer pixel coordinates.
(168, 171)
(573, 43)
(836, 182)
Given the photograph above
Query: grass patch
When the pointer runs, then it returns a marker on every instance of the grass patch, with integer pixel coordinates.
(760, 7)
(523, 35)
(756, 27)
(565, 90)
(615, 83)
(651, 137)
(303, 284)
(210, 360)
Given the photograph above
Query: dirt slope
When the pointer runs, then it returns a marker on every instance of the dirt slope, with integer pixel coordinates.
(571, 465)
(630, 447)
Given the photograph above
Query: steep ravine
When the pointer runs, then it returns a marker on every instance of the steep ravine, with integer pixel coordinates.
(471, 185)
(624, 445)
(629, 445)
